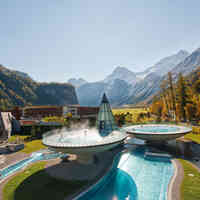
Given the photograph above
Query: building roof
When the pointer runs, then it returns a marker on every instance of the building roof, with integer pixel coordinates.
(79, 106)
(41, 107)
(28, 122)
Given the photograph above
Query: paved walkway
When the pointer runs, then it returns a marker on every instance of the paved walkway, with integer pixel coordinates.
(12, 158)
(175, 184)
(9, 160)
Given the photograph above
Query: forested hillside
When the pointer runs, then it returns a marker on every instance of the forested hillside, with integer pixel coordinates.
(16, 89)
(178, 101)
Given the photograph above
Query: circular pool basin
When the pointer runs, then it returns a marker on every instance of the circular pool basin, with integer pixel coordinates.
(152, 132)
(83, 143)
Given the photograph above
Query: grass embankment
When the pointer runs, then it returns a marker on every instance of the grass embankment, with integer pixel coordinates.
(193, 137)
(17, 138)
(34, 145)
(190, 185)
(34, 183)
(135, 112)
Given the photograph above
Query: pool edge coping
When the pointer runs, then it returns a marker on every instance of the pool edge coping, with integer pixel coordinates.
(175, 181)
(184, 129)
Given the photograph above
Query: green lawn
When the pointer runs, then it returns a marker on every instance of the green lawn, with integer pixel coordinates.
(193, 137)
(190, 186)
(32, 146)
(34, 184)
(15, 138)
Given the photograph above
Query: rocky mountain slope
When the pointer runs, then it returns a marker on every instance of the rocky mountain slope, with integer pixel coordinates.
(186, 67)
(165, 65)
(19, 89)
(189, 64)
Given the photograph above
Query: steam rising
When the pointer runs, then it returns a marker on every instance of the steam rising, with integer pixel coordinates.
(81, 133)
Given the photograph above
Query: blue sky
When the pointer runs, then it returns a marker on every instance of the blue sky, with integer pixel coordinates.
(54, 40)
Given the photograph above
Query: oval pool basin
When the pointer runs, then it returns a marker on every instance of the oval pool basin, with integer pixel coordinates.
(152, 132)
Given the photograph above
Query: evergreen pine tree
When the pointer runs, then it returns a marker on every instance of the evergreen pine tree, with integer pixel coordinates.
(33, 131)
(182, 96)
(171, 88)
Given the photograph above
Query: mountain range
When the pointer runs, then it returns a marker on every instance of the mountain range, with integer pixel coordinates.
(124, 86)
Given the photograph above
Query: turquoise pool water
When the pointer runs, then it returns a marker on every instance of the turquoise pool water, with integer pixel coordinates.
(156, 129)
(19, 165)
(135, 178)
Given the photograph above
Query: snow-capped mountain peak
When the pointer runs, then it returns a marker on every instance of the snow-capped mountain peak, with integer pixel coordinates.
(77, 82)
(122, 73)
